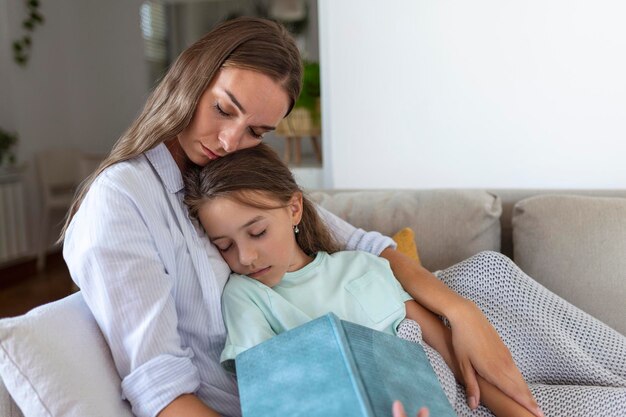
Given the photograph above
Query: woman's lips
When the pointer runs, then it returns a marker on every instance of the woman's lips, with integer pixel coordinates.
(208, 153)
(259, 273)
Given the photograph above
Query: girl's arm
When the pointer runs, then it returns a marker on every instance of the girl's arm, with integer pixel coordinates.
(437, 335)
(476, 345)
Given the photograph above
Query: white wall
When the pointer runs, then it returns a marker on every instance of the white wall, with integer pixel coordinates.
(424, 94)
(85, 81)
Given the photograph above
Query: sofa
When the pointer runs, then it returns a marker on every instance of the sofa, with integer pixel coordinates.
(55, 362)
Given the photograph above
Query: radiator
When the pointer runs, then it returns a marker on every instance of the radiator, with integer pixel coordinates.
(13, 239)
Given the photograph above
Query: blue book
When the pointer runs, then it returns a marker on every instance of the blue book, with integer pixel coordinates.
(329, 367)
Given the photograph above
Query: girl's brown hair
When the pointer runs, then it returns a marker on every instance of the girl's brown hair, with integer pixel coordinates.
(248, 43)
(246, 173)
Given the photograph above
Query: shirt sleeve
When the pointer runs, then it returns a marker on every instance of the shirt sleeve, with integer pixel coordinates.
(246, 324)
(353, 238)
(113, 258)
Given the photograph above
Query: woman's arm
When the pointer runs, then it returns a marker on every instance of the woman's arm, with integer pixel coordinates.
(111, 254)
(437, 335)
(476, 344)
(187, 405)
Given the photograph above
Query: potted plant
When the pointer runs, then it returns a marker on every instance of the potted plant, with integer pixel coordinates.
(7, 144)
(310, 94)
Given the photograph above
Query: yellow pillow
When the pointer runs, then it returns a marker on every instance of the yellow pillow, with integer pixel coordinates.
(405, 238)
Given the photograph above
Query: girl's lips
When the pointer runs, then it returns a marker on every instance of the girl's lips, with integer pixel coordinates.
(208, 153)
(259, 272)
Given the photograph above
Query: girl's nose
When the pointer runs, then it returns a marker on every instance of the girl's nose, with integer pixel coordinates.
(247, 255)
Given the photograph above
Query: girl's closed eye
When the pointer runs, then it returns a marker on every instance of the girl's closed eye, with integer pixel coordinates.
(222, 246)
(258, 234)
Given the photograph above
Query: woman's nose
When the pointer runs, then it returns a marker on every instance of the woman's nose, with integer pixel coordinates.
(230, 139)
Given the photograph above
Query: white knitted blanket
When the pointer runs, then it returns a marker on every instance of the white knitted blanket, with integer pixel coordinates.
(574, 364)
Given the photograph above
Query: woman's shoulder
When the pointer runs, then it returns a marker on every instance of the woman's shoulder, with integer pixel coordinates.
(133, 174)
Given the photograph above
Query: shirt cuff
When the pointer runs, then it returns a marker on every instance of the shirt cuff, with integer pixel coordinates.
(175, 376)
(372, 242)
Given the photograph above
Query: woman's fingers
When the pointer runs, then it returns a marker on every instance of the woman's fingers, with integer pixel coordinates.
(475, 341)
(510, 381)
(471, 384)
(398, 410)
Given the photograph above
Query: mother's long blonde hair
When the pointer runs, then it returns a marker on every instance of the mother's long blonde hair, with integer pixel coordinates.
(248, 43)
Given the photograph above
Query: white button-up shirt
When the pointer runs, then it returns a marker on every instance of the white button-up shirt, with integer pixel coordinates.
(154, 281)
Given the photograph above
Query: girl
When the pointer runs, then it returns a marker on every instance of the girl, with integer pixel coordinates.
(287, 270)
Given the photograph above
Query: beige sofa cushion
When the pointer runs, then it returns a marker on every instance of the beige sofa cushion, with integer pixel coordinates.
(576, 247)
(449, 225)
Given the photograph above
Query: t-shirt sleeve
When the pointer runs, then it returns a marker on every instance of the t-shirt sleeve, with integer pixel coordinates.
(245, 321)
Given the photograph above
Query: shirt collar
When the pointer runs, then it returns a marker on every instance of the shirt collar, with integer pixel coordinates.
(164, 164)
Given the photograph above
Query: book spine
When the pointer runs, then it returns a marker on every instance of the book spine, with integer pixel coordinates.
(353, 371)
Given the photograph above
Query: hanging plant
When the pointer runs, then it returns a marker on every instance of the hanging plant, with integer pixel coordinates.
(21, 47)
(7, 143)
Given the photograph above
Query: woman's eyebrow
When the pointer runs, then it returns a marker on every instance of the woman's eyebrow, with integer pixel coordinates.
(240, 107)
(235, 101)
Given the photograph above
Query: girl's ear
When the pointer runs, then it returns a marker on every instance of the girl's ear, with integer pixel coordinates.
(295, 208)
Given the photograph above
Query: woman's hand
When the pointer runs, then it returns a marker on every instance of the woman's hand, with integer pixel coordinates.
(398, 410)
(479, 349)
(476, 343)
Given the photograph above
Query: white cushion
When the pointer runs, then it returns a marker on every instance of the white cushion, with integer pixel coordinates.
(55, 362)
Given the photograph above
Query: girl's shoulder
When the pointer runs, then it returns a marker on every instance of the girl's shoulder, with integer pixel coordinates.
(355, 258)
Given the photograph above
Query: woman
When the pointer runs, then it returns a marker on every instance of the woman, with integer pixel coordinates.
(150, 277)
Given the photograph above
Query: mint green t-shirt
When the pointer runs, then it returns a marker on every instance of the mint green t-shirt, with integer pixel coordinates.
(356, 286)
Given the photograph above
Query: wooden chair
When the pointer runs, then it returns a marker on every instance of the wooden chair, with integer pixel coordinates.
(59, 171)
(293, 128)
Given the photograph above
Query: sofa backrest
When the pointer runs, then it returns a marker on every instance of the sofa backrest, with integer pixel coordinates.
(449, 225)
(510, 197)
(568, 241)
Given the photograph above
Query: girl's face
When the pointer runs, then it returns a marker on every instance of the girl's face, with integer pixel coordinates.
(259, 243)
(234, 112)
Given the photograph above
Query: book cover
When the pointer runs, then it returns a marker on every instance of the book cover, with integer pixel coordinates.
(330, 367)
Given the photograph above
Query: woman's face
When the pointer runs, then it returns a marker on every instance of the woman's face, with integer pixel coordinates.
(234, 112)
(259, 243)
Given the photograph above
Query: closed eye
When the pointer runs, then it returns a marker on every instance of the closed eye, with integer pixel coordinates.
(222, 246)
(219, 110)
(258, 235)
(255, 135)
